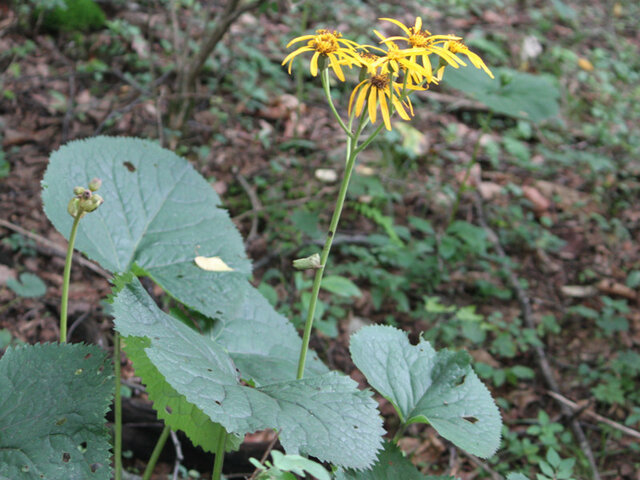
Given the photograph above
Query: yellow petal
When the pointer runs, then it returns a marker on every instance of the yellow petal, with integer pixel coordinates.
(372, 104)
(313, 66)
(212, 264)
(353, 95)
(300, 39)
(399, 24)
(385, 110)
(333, 60)
(400, 109)
(418, 26)
(362, 96)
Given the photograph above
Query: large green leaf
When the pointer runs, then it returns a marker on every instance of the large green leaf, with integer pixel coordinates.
(53, 399)
(158, 214)
(425, 386)
(391, 464)
(172, 407)
(325, 416)
(512, 93)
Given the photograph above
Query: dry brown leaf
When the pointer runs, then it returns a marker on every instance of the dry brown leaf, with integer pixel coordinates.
(615, 288)
(540, 203)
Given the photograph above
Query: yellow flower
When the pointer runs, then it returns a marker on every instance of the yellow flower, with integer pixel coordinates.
(423, 44)
(326, 45)
(396, 60)
(375, 90)
(456, 47)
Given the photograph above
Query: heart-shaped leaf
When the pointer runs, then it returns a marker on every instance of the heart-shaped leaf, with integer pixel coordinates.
(425, 386)
(513, 93)
(158, 215)
(53, 399)
(325, 416)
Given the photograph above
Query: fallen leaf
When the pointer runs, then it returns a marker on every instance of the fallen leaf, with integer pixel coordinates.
(327, 175)
(578, 291)
(540, 203)
(614, 288)
(489, 190)
(212, 264)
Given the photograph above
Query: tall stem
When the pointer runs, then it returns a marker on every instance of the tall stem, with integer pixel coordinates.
(66, 278)
(351, 160)
(219, 459)
(117, 401)
(157, 450)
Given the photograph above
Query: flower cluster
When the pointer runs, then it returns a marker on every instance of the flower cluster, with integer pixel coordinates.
(390, 73)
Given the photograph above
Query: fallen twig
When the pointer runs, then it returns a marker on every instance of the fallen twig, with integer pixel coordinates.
(527, 314)
(574, 406)
(179, 456)
(50, 248)
(266, 454)
(256, 206)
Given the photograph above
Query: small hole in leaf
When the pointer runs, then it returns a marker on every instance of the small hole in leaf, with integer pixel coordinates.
(25, 468)
(79, 371)
(82, 447)
(470, 419)
(355, 427)
(414, 339)
(94, 467)
(209, 370)
(168, 409)
(87, 356)
(66, 457)
(129, 166)
(180, 275)
(101, 368)
(218, 403)
(461, 380)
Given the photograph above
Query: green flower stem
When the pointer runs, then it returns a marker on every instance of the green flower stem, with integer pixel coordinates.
(350, 162)
(117, 444)
(353, 149)
(157, 450)
(327, 92)
(65, 280)
(219, 459)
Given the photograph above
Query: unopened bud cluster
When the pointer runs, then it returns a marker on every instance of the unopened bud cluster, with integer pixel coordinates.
(85, 199)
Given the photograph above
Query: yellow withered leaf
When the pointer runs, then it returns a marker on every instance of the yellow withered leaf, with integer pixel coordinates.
(212, 264)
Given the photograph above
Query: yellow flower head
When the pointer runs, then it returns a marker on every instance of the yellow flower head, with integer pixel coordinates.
(422, 44)
(457, 46)
(373, 91)
(397, 60)
(328, 45)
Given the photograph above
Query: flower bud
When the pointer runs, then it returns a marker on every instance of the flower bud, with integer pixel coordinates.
(95, 184)
(73, 206)
(78, 191)
(90, 204)
(311, 262)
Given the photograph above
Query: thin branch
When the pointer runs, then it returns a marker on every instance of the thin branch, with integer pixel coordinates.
(576, 408)
(50, 248)
(256, 206)
(527, 314)
(266, 453)
(179, 456)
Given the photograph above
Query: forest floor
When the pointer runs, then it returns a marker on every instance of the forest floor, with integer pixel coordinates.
(517, 240)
